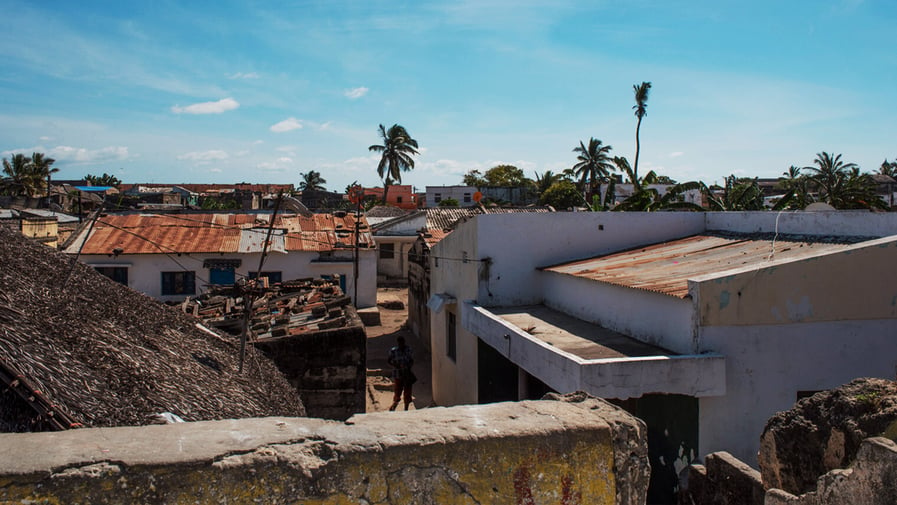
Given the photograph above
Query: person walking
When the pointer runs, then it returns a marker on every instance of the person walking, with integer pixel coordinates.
(401, 358)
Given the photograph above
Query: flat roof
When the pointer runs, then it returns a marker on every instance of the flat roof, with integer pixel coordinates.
(575, 336)
(666, 267)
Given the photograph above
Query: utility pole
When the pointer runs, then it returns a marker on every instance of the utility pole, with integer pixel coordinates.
(251, 284)
(357, 241)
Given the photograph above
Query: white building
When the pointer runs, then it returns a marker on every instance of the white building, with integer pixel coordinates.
(463, 194)
(173, 256)
(703, 324)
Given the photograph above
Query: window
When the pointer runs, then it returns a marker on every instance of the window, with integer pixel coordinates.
(387, 251)
(117, 274)
(273, 277)
(451, 337)
(398, 199)
(438, 197)
(178, 283)
(466, 197)
(222, 276)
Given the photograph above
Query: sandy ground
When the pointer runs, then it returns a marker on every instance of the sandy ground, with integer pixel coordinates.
(380, 339)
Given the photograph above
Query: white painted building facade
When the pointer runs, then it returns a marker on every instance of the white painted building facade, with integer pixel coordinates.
(743, 341)
(174, 256)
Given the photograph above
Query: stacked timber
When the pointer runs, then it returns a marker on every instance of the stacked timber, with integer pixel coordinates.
(289, 308)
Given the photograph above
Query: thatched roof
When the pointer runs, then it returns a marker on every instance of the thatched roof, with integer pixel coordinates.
(101, 354)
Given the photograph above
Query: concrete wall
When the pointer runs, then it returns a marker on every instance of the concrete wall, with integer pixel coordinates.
(326, 367)
(446, 192)
(454, 381)
(858, 283)
(856, 223)
(619, 378)
(144, 269)
(525, 453)
(655, 318)
(767, 365)
(804, 325)
(397, 266)
(520, 243)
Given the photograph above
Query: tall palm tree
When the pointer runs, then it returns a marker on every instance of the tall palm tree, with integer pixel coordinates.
(888, 168)
(18, 180)
(312, 181)
(395, 155)
(593, 166)
(42, 168)
(641, 108)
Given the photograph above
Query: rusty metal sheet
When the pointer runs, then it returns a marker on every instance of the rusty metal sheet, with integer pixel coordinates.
(665, 268)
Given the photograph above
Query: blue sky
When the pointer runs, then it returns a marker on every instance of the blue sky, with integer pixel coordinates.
(261, 92)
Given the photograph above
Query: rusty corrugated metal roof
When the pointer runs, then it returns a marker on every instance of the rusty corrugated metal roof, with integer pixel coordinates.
(219, 232)
(441, 220)
(666, 267)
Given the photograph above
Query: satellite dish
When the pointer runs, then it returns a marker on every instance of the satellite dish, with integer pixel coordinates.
(819, 206)
(477, 197)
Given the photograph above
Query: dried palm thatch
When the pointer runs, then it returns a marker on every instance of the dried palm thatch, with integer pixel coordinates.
(97, 353)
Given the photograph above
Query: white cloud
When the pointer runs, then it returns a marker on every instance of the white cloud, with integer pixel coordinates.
(326, 125)
(278, 165)
(84, 155)
(204, 155)
(215, 170)
(286, 125)
(356, 93)
(223, 105)
(45, 138)
(676, 154)
(243, 75)
(257, 142)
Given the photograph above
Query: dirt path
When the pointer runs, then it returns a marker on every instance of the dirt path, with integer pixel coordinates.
(380, 339)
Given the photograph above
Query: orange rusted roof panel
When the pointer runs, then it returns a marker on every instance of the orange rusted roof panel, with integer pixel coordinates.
(666, 267)
(221, 232)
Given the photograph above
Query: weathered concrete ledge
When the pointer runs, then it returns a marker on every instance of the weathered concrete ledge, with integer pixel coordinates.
(580, 450)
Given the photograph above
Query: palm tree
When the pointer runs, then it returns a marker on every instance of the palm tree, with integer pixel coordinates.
(647, 199)
(41, 167)
(740, 194)
(593, 166)
(888, 168)
(828, 174)
(641, 108)
(841, 184)
(102, 180)
(312, 181)
(545, 180)
(18, 174)
(395, 155)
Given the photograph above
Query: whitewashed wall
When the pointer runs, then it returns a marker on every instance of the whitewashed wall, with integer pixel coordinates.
(144, 270)
(767, 365)
(655, 318)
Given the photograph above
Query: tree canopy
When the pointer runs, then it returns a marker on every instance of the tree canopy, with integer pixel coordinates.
(28, 176)
(312, 181)
(497, 176)
(396, 155)
(561, 195)
(102, 180)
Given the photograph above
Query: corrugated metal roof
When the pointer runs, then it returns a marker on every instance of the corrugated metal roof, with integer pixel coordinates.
(148, 233)
(666, 267)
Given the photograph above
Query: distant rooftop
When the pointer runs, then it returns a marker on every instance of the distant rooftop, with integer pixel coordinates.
(666, 267)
